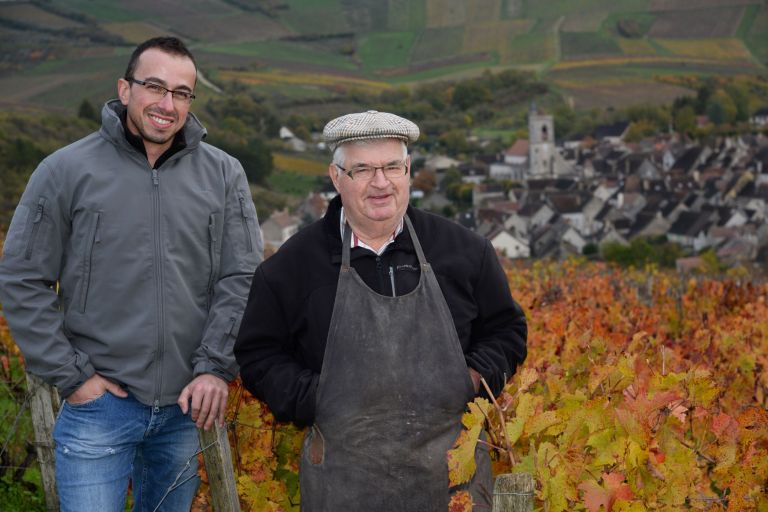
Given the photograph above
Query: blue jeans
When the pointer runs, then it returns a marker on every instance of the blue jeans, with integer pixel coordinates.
(103, 443)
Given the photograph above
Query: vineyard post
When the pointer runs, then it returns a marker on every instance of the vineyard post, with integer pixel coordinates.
(44, 401)
(218, 466)
(513, 492)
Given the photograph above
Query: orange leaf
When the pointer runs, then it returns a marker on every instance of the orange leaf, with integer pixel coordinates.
(460, 502)
(613, 488)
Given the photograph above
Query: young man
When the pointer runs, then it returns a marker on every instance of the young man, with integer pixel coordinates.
(374, 325)
(152, 237)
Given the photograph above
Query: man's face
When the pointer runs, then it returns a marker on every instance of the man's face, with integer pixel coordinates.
(157, 119)
(380, 201)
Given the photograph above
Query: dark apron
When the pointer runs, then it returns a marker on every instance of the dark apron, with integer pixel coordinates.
(392, 390)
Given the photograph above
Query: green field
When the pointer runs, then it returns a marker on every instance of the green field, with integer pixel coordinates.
(284, 51)
(104, 10)
(586, 44)
(386, 49)
(394, 41)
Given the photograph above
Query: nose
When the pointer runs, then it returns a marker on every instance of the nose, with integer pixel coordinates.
(166, 102)
(379, 180)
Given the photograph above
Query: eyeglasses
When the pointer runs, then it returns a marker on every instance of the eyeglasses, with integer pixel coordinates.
(367, 172)
(160, 91)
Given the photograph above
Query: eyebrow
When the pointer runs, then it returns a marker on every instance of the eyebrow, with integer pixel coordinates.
(391, 162)
(160, 81)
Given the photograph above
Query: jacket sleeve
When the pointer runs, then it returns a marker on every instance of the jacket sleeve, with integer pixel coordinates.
(269, 368)
(29, 269)
(241, 251)
(500, 332)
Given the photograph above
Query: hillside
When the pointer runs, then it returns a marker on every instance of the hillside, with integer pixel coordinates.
(595, 52)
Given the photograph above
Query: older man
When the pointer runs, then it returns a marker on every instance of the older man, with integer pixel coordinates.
(375, 325)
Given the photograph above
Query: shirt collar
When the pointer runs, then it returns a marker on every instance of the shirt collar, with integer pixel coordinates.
(179, 141)
(356, 242)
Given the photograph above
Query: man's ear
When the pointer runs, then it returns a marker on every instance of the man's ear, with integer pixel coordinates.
(333, 173)
(123, 90)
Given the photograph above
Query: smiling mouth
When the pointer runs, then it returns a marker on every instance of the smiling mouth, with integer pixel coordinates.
(160, 121)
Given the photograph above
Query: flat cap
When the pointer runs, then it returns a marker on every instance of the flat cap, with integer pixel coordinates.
(369, 125)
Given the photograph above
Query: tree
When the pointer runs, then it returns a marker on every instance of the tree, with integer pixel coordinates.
(87, 111)
(685, 119)
(425, 180)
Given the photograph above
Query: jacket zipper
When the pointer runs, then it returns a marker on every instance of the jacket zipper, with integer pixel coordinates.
(212, 257)
(159, 287)
(93, 238)
(35, 227)
(244, 220)
(392, 280)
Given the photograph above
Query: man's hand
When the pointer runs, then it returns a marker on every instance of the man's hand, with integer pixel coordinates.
(475, 376)
(208, 395)
(93, 388)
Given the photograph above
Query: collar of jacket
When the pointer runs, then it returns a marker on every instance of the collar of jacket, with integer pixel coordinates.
(333, 237)
(112, 128)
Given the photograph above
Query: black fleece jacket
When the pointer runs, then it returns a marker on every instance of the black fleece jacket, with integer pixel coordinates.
(283, 333)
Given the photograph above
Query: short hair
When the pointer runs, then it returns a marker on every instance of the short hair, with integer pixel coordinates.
(171, 45)
(339, 156)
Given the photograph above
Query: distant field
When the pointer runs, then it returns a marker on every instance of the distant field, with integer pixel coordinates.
(104, 10)
(680, 5)
(281, 77)
(300, 50)
(445, 13)
(386, 49)
(299, 165)
(709, 49)
(284, 51)
(635, 47)
(756, 35)
(316, 17)
(406, 15)
(582, 44)
(134, 31)
(532, 48)
(720, 22)
(492, 36)
(435, 43)
(587, 11)
(31, 14)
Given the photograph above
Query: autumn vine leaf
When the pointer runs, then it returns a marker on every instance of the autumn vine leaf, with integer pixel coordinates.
(605, 495)
(461, 458)
(461, 501)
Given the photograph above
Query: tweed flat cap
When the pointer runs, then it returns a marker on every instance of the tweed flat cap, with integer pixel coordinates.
(369, 125)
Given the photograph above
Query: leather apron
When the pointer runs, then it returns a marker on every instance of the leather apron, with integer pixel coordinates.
(393, 386)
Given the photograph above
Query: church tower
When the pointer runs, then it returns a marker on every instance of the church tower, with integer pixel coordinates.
(541, 137)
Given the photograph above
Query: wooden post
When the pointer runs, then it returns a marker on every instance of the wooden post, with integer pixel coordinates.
(218, 466)
(44, 404)
(513, 492)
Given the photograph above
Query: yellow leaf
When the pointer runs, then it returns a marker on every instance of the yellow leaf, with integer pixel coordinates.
(542, 421)
(527, 378)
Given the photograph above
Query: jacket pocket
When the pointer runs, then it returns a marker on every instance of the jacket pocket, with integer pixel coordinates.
(244, 219)
(37, 221)
(91, 239)
(212, 259)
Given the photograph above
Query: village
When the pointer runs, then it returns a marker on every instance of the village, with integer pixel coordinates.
(544, 198)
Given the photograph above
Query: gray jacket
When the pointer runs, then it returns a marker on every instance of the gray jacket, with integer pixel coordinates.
(153, 266)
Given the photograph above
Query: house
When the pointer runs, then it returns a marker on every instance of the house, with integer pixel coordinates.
(440, 163)
(760, 117)
(690, 230)
(509, 245)
(612, 133)
(279, 227)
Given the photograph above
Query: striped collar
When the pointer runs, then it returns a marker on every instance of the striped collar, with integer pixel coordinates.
(356, 242)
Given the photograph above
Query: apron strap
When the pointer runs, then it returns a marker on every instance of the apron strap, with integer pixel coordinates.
(416, 243)
(347, 244)
(345, 247)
